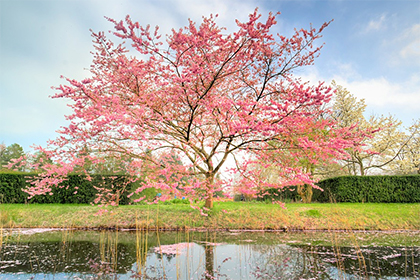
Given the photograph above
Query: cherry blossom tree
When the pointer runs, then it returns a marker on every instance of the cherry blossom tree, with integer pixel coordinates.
(203, 95)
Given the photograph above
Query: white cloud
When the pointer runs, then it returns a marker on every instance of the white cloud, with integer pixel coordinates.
(168, 14)
(227, 10)
(381, 92)
(411, 44)
(382, 96)
(376, 24)
(400, 48)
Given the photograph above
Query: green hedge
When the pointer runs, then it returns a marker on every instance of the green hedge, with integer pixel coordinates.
(288, 194)
(11, 185)
(400, 189)
(390, 189)
(397, 189)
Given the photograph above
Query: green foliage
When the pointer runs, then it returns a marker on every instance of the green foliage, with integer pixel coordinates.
(286, 194)
(237, 197)
(10, 152)
(76, 189)
(11, 184)
(41, 159)
(395, 189)
(149, 193)
(177, 201)
(241, 197)
(312, 213)
(387, 189)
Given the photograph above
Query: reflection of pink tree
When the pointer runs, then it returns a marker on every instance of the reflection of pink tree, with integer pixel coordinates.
(209, 254)
(180, 248)
(203, 96)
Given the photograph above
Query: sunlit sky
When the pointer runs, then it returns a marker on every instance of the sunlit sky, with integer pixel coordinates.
(372, 48)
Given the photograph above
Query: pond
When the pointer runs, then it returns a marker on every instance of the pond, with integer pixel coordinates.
(67, 254)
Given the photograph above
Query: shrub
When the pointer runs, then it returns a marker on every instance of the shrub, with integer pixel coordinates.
(286, 194)
(75, 189)
(176, 201)
(388, 189)
(401, 189)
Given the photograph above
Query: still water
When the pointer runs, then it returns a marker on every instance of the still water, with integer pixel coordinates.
(66, 254)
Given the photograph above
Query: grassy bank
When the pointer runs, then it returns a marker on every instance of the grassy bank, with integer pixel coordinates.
(225, 215)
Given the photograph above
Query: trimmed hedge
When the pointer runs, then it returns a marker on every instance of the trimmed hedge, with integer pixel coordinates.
(11, 185)
(396, 189)
(287, 194)
(388, 189)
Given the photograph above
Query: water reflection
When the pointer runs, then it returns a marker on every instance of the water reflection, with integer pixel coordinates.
(145, 255)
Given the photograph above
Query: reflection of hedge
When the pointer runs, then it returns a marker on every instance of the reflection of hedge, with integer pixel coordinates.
(398, 189)
(11, 185)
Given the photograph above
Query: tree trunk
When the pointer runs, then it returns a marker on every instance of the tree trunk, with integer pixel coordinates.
(309, 193)
(362, 169)
(305, 192)
(209, 202)
(209, 190)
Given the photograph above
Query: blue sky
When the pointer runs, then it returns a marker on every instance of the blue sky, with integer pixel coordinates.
(372, 48)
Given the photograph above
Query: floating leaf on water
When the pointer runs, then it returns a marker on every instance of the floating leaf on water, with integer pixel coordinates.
(391, 256)
(173, 249)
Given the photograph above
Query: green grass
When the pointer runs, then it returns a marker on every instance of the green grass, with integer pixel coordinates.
(239, 215)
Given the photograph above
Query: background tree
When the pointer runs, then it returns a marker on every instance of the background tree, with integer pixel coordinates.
(2, 149)
(387, 144)
(348, 112)
(204, 95)
(389, 149)
(408, 160)
(10, 153)
(39, 160)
